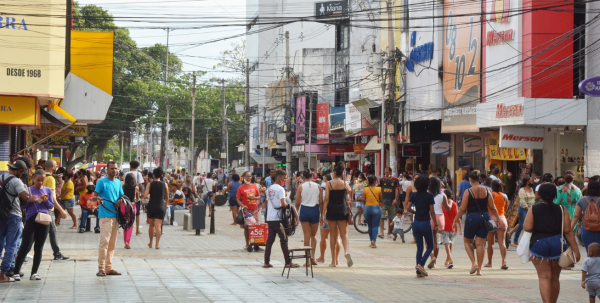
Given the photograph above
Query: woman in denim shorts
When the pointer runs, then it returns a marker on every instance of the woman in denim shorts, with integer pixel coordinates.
(67, 198)
(476, 202)
(309, 195)
(549, 225)
(324, 230)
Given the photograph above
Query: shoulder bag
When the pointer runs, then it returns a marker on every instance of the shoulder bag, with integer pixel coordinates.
(490, 225)
(567, 257)
(41, 218)
(350, 215)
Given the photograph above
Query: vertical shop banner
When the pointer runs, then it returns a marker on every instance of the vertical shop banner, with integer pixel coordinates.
(323, 123)
(300, 119)
(462, 65)
(353, 119)
(499, 153)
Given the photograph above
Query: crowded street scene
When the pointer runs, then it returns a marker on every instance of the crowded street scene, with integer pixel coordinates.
(300, 151)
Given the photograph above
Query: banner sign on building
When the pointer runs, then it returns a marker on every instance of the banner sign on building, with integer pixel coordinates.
(336, 118)
(522, 137)
(316, 149)
(411, 150)
(300, 119)
(24, 111)
(440, 147)
(507, 154)
(351, 157)
(47, 129)
(325, 158)
(359, 149)
(339, 150)
(472, 145)
(323, 123)
(461, 57)
(590, 86)
(353, 119)
(331, 9)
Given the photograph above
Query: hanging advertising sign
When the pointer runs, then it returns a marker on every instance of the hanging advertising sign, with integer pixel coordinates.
(323, 123)
(316, 149)
(325, 158)
(336, 118)
(300, 119)
(411, 151)
(353, 119)
(590, 86)
(339, 150)
(24, 111)
(351, 157)
(359, 149)
(522, 137)
(472, 145)
(331, 9)
(507, 154)
(461, 57)
(440, 147)
(78, 130)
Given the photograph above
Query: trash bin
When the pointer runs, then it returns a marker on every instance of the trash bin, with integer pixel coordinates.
(198, 217)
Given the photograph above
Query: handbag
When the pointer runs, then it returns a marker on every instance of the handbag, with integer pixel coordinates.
(490, 225)
(350, 215)
(42, 218)
(240, 217)
(567, 257)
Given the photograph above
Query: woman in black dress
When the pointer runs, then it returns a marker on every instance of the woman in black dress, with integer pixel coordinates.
(159, 197)
(335, 211)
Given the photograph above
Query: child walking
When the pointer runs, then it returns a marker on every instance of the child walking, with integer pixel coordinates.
(398, 224)
(450, 230)
(590, 272)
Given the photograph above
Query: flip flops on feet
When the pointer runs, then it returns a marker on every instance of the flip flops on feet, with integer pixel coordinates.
(474, 270)
(449, 266)
(431, 263)
(349, 260)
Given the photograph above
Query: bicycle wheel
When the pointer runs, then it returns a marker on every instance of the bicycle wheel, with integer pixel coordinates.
(407, 226)
(361, 227)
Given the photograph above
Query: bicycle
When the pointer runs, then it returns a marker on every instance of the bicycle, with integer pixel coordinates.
(362, 227)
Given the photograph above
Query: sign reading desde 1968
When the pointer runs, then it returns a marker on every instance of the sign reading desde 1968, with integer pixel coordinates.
(47, 129)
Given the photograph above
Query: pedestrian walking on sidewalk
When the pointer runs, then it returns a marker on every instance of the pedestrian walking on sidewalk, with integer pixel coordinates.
(67, 197)
(335, 211)
(309, 200)
(276, 204)
(441, 203)
(501, 202)
(324, 230)
(476, 202)
(592, 196)
(232, 189)
(450, 229)
(107, 193)
(248, 199)
(372, 199)
(158, 192)
(132, 192)
(424, 215)
(41, 200)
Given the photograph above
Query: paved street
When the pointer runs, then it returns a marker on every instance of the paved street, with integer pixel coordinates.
(213, 268)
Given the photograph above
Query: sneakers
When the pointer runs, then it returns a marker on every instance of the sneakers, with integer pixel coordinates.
(60, 257)
(81, 230)
(35, 277)
(17, 277)
(97, 230)
(11, 273)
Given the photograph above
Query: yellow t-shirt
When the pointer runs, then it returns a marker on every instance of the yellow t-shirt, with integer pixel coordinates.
(372, 195)
(51, 183)
(459, 175)
(68, 188)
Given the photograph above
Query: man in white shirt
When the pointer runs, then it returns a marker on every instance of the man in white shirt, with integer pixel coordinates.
(275, 205)
(208, 187)
(139, 180)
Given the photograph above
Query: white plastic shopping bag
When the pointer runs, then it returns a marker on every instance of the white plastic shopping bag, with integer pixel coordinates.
(523, 248)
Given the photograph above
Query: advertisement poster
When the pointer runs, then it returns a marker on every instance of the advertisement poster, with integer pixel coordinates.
(508, 154)
(353, 119)
(472, 145)
(462, 65)
(300, 119)
(323, 123)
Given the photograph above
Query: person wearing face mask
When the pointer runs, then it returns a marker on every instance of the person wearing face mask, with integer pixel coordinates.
(586, 181)
(248, 198)
(536, 179)
(546, 178)
(525, 199)
(568, 195)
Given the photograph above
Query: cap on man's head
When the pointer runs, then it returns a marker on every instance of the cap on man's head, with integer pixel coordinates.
(18, 165)
(90, 183)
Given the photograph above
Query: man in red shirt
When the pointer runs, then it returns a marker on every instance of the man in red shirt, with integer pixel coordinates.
(449, 229)
(248, 198)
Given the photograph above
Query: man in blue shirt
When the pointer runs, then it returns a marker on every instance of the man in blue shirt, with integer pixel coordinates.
(463, 186)
(109, 190)
(269, 179)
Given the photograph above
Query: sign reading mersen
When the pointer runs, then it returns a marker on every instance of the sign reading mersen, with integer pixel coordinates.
(331, 9)
(33, 49)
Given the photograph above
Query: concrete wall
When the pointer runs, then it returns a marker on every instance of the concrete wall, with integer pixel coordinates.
(592, 157)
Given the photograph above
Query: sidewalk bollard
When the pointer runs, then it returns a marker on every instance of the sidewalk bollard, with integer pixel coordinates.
(212, 221)
(198, 217)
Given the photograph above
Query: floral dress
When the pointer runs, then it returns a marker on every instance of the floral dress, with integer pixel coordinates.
(567, 196)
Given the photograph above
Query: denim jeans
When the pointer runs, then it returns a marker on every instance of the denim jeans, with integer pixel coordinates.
(422, 229)
(10, 232)
(373, 218)
(522, 214)
(85, 214)
(589, 237)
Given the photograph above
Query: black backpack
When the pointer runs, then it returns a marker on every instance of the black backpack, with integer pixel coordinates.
(5, 198)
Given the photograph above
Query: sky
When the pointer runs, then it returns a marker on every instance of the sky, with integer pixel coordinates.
(146, 19)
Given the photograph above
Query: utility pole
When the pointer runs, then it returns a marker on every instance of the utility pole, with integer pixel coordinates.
(223, 134)
(151, 153)
(247, 126)
(206, 150)
(166, 145)
(288, 97)
(137, 134)
(192, 168)
(122, 138)
(131, 142)
(310, 111)
(392, 90)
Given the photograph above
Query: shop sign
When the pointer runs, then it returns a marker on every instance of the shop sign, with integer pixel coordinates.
(590, 86)
(23, 111)
(440, 147)
(418, 54)
(472, 145)
(506, 154)
(316, 149)
(300, 119)
(359, 149)
(461, 66)
(325, 158)
(331, 9)
(509, 111)
(522, 137)
(353, 119)
(411, 151)
(47, 129)
(323, 123)
(351, 157)
(33, 48)
(277, 152)
(337, 117)
(298, 148)
(500, 11)
(494, 37)
(339, 150)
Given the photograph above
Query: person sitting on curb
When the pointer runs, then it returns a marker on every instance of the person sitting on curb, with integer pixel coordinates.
(88, 206)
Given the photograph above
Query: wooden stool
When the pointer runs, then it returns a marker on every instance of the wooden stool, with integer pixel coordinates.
(306, 256)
